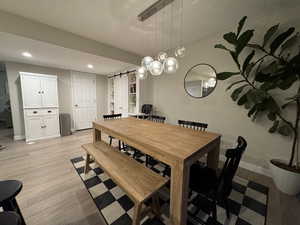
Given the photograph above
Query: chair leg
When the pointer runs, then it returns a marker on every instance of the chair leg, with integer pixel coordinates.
(87, 163)
(12, 205)
(120, 145)
(110, 141)
(156, 205)
(214, 211)
(137, 214)
(227, 208)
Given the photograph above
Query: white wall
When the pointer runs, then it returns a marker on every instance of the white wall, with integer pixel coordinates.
(64, 91)
(218, 110)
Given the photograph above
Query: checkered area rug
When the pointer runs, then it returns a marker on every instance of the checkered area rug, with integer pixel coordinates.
(247, 202)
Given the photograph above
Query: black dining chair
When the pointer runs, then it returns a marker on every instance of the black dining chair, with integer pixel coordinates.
(157, 119)
(187, 124)
(216, 189)
(9, 189)
(147, 109)
(112, 117)
(193, 125)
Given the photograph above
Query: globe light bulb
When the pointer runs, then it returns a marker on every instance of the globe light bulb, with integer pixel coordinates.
(171, 65)
(162, 56)
(146, 62)
(180, 52)
(141, 73)
(156, 68)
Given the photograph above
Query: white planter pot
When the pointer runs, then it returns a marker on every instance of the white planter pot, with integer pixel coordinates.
(286, 181)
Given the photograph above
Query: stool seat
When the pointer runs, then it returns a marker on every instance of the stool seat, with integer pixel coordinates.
(9, 218)
(9, 189)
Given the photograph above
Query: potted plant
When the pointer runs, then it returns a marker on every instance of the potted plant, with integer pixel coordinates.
(262, 83)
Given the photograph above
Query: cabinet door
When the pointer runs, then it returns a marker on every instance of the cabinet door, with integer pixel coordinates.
(34, 127)
(50, 126)
(49, 92)
(31, 91)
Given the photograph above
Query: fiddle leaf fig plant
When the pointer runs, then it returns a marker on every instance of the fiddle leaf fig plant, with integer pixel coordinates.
(264, 72)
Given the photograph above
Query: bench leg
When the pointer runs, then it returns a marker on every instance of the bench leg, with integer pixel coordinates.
(137, 214)
(87, 164)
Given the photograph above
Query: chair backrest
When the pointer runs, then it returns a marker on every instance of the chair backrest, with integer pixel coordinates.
(194, 125)
(233, 158)
(112, 116)
(147, 108)
(157, 119)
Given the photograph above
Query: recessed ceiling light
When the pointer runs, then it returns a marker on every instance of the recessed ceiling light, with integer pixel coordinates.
(27, 54)
(90, 66)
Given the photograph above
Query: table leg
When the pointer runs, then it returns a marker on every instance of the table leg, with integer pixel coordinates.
(96, 135)
(213, 156)
(87, 163)
(179, 194)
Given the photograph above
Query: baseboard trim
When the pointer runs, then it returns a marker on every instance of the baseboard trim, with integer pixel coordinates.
(252, 167)
(19, 137)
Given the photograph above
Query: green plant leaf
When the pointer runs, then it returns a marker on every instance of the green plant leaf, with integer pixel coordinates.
(243, 40)
(249, 69)
(230, 38)
(272, 105)
(271, 67)
(241, 25)
(272, 30)
(262, 77)
(235, 94)
(243, 99)
(284, 130)
(255, 46)
(252, 110)
(234, 83)
(220, 46)
(247, 60)
(287, 103)
(287, 82)
(273, 129)
(280, 39)
(226, 75)
(290, 42)
(271, 116)
(248, 104)
(235, 58)
(257, 96)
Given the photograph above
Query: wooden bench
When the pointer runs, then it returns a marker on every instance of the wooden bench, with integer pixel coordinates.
(139, 182)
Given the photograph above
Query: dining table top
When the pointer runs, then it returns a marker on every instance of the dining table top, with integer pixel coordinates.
(162, 139)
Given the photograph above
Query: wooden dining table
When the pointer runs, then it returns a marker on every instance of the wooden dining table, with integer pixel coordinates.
(173, 145)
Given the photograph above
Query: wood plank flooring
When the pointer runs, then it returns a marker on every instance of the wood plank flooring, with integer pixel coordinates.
(53, 194)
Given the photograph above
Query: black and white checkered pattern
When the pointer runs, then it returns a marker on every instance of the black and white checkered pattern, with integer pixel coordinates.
(247, 202)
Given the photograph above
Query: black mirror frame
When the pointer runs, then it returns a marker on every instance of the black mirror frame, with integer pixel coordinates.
(205, 64)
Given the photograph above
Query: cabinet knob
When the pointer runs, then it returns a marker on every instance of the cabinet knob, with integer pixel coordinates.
(43, 126)
(35, 112)
(76, 105)
(49, 111)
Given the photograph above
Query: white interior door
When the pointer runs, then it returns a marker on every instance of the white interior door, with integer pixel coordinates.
(31, 91)
(49, 92)
(84, 100)
(121, 95)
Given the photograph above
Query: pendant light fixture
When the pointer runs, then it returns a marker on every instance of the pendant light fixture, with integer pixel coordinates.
(164, 62)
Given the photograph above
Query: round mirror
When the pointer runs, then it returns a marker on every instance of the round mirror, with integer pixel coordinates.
(200, 80)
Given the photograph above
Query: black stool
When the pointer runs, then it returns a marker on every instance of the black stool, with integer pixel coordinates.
(10, 218)
(9, 189)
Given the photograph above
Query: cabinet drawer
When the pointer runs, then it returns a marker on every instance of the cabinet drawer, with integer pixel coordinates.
(50, 111)
(34, 112)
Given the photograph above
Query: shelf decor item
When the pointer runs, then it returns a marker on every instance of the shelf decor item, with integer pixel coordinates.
(267, 82)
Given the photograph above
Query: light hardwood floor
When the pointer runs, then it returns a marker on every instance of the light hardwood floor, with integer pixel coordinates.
(53, 193)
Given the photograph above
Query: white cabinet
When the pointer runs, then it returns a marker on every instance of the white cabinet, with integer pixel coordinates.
(40, 105)
(39, 90)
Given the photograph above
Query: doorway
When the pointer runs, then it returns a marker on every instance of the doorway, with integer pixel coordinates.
(84, 106)
(6, 131)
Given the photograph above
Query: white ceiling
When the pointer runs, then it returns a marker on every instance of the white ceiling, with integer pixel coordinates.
(115, 22)
(44, 54)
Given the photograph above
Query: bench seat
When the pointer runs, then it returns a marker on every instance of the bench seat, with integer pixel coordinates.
(138, 181)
